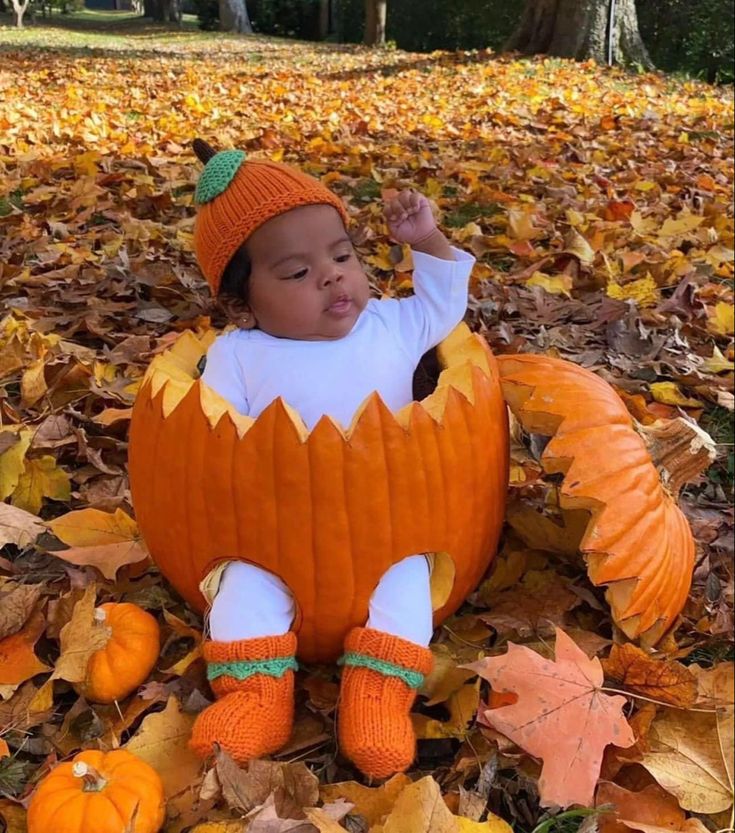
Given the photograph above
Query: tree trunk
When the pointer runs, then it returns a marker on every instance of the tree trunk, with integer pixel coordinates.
(375, 14)
(323, 25)
(19, 9)
(233, 17)
(581, 29)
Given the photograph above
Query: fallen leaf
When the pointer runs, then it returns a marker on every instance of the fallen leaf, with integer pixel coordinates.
(723, 320)
(561, 716)
(652, 805)
(669, 682)
(162, 741)
(372, 803)
(670, 394)
(81, 637)
(683, 754)
(41, 478)
(18, 526)
(493, 824)
(419, 808)
(16, 605)
(18, 662)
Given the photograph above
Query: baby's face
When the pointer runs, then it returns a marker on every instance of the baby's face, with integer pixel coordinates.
(306, 281)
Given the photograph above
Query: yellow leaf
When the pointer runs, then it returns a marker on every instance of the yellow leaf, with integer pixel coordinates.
(684, 223)
(90, 527)
(162, 741)
(41, 478)
(556, 285)
(80, 637)
(717, 363)
(578, 246)
(520, 224)
(33, 383)
(12, 463)
(644, 185)
(644, 292)
(669, 394)
(494, 824)
(418, 809)
(723, 321)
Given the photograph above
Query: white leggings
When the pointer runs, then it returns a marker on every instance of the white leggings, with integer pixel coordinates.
(252, 602)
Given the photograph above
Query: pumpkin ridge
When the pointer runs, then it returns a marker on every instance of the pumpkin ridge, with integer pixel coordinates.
(647, 570)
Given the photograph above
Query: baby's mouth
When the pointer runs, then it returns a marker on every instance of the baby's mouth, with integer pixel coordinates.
(340, 305)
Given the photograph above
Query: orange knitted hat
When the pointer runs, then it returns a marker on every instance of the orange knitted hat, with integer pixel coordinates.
(234, 197)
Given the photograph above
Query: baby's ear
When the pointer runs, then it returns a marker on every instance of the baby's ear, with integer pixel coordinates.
(237, 311)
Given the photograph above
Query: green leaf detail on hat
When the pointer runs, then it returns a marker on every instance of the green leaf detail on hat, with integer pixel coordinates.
(218, 173)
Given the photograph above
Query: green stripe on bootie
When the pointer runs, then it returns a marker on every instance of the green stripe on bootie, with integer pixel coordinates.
(413, 679)
(242, 669)
(218, 173)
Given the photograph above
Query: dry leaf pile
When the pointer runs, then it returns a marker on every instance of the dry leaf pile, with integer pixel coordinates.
(598, 206)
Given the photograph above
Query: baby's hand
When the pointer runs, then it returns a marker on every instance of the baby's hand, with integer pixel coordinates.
(409, 217)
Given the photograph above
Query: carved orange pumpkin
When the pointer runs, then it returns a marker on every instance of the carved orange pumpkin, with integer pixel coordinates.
(209, 484)
(114, 792)
(637, 541)
(128, 657)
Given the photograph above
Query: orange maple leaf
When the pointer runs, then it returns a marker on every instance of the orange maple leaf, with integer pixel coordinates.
(561, 716)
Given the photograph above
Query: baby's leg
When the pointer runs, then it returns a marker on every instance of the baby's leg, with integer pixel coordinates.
(385, 663)
(401, 603)
(250, 665)
(250, 602)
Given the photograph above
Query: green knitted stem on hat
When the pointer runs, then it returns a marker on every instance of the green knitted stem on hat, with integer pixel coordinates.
(218, 173)
(413, 679)
(242, 669)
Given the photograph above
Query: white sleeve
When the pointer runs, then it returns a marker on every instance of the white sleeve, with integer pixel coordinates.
(223, 371)
(439, 301)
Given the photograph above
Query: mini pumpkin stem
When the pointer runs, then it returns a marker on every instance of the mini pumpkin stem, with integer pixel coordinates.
(93, 781)
(99, 615)
(680, 450)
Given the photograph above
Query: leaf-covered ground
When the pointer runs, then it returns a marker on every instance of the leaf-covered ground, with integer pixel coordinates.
(598, 204)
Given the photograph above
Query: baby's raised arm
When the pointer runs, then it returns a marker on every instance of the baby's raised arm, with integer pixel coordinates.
(410, 221)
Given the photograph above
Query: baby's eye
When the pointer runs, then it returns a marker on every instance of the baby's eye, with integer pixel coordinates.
(343, 258)
(300, 274)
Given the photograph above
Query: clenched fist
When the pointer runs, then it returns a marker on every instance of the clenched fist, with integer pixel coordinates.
(409, 217)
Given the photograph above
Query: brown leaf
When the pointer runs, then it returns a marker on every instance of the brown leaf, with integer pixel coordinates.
(18, 526)
(561, 716)
(81, 637)
(669, 682)
(16, 605)
(293, 786)
(651, 805)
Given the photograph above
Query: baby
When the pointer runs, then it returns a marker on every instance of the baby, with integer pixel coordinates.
(273, 245)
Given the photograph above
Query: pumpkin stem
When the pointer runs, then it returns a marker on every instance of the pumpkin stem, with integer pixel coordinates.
(93, 781)
(680, 450)
(99, 615)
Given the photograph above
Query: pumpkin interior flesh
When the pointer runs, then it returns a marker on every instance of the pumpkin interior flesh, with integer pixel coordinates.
(637, 540)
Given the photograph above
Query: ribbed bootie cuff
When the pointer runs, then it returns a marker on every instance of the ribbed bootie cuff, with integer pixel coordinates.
(389, 655)
(272, 656)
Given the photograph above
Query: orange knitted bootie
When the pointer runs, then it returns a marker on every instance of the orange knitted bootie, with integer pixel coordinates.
(382, 673)
(253, 680)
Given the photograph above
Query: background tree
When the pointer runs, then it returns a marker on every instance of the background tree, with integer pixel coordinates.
(375, 16)
(19, 8)
(233, 17)
(605, 30)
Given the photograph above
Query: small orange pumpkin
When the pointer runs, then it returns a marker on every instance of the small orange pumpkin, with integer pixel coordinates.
(637, 541)
(209, 484)
(99, 792)
(128, 657)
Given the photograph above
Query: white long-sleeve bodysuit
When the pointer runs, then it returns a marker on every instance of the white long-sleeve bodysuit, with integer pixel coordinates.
(251, 368)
